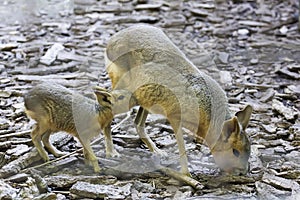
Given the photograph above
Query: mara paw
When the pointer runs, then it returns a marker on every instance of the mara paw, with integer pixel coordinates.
(112, 154)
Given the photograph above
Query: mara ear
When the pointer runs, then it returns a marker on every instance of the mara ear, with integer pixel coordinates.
(230, 128)
(98, 88)
(102, 95)
(244, 115)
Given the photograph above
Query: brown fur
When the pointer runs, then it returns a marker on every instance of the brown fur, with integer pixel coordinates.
(152, 72)
(56, 108)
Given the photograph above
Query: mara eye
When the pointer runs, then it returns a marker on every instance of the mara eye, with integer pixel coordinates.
(121, 97)
(236, 152)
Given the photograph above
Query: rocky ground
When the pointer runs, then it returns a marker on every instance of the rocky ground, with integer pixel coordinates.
(251, 47)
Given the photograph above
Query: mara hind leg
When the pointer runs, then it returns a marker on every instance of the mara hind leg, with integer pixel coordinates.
(36, 136)
(110, 150)
(140, 127)
(49, 146)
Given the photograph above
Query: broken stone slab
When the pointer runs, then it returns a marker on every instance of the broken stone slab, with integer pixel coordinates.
(281, 183)
(285, 71)
(294, 89)
(130, 19)
(108, 9)
(66, 56)
(6, 191)
(8, 46)
(206, 5)
(142, 187)
(156, 6)
(18, 150)
(267, 95)
(223, 57)
(61, 25)
(270, 128)
(266, 191)
(222, 194)
(66, 181)
(287, 112)
(69, 67)
(57, 165)
(67, 83)
(15, 134)
(255, 162)
(98, 16)
(199, 12)
(290, 173)
(22, 162)
(47, 196)
(51, 54)
(5, 94)
(46, 77)
(88, 190)
(252, 23)
(61, 140)
(293, 156)
(18, 178)
(213, 181)
(29, 48)
(166, 141)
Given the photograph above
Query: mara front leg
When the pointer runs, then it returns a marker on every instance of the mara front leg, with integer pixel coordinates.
(176, 125)
(90, 157)
(140, 128)
(36, 136)
(110, 150)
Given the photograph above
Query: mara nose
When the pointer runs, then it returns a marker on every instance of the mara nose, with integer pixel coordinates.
(241, 171)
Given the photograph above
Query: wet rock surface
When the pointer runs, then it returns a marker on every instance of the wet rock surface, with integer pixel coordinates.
(251, 47)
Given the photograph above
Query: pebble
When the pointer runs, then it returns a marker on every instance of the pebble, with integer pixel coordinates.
(226, 78)
(254, 61)
(18, 150)
(51, 54)
(243, 32)
(223, 57)
(94, 191)
(270, 128)
(287, 112)
(283, 30)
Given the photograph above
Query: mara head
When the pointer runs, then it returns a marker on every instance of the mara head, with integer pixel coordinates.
(120, 101)
(232, 150)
